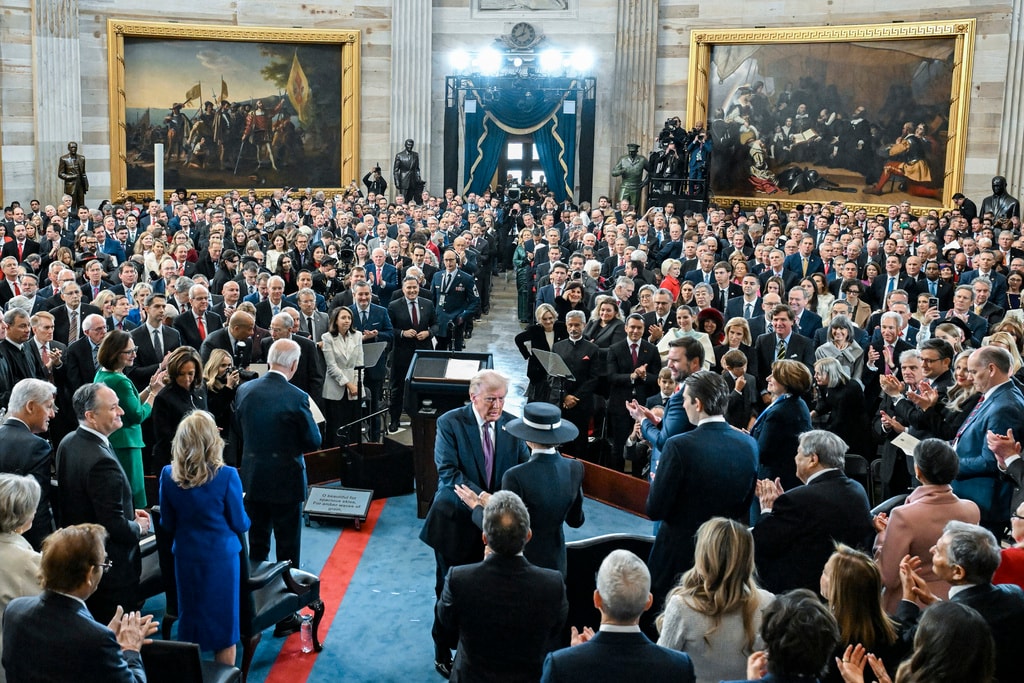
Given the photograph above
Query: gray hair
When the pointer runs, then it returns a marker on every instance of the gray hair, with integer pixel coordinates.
(576, 314)
(19, 498)
(15, 314)
(506, 523)
(21, 303)
(183, 284)
(30, 389)
(275, 279)
(85, 399)
(624, 584)
(835, 373)
(704, 285)
(891, 315)
(285, 352)
(285, 319)
(974, 549)
(841, 322)
(91, 319)
(305, 291)
(648, 288)
(829, 448)
(910, 354)
(195, 290)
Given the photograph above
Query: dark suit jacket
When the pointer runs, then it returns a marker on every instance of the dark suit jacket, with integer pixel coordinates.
(389, 280)
(459, 456)
(794, 540)
(552, 488)
(94, 488)
(241, 356)
(146, 360)
(379, 320)
(810, 322)
(798, 348)
(24, 453)
(89, 650)
(707, 472)
(11, 249)
(277, 427)
(875, 294)
(794, 264)
(734, 308)
(506, 595)
(620, 365)
(789, 278)
(611, 657)
(405, 347)
(60, 320)
(777, 431)
(186, 326)
(309, 376)
(943, 290)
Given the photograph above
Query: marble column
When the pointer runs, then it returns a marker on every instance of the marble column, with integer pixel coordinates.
(411, 53)
(636, 47)
(57, 85)
(1011, 146)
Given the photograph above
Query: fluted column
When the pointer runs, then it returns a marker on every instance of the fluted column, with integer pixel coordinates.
(1011, 146)
(636, 47)
(411, 52)
(57, 82)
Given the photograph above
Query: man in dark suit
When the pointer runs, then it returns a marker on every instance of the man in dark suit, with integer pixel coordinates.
(619, 652)
(935, 286)
(93, 488)
(797, 530)
(783, 342)
(984, 306)
(23, 452)
(633, 366)
(461, 458)
(775, 269)
(273, 417)
(375, 325)
(237, 339)
(194, 325)
(747, 306)
(412, 320)
(883, 356)
(502, 594)
(985, 263)
(805, 321)
(455, 301)
(20, 246)
(71, 314)
(805, 261)
(74, 564)
(581, 357)
(309, 373)
(966, 556)
(21, 356)
(892, 279)
(94, 281)
(703, 473)
(153, 341)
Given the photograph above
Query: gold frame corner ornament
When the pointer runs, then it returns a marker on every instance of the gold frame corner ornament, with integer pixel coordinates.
(347, 40)
(961, 30)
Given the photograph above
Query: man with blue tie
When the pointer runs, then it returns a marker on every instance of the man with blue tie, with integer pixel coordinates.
(471, 448)
(375, 324)
(1001, 408)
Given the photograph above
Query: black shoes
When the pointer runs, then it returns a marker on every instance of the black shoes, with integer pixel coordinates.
(287, 626)
(394, 427)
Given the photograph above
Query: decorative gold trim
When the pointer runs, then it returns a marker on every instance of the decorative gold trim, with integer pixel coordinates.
(347, 40)
(961, 30)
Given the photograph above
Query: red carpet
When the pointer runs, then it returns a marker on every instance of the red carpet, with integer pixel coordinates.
(292, 666)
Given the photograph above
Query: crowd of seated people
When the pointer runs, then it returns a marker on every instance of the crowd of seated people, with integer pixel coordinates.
(914, 314)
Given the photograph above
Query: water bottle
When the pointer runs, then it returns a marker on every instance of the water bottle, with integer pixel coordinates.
(306, 633)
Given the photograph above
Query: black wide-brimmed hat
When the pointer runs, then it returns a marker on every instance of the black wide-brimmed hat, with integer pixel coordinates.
(542, 423)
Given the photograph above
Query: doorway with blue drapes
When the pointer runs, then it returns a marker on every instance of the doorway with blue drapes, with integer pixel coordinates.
(547, 111)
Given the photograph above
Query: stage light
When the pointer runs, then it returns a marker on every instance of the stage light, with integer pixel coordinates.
(459, 60)
(517, 62)
(582, 60)
(489, 62)
(550, 61)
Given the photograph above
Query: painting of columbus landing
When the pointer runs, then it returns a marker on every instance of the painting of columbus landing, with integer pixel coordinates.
(232, 110)
(859, 114)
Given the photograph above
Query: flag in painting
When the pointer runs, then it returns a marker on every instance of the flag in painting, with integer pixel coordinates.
(298, 89)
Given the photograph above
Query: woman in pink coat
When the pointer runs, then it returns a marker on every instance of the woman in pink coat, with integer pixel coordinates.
(914, 527)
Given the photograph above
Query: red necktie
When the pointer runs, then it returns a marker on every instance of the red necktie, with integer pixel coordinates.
(967, 422)
(45, 354)
(378, 278)
(415, 315)
(201, 326)
(21, 247)
(632, 349)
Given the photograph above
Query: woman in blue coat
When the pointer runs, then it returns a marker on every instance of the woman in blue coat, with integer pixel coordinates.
(778, 428)
(201, 507)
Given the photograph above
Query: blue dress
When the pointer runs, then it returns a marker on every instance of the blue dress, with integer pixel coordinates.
(205, 522)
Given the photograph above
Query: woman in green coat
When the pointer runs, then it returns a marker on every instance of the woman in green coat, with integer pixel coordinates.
(117, 352)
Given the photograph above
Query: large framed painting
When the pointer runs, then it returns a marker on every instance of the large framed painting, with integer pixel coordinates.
(233, 107)
(869, 115)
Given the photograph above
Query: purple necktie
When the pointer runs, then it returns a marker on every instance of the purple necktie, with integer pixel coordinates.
(488, 453)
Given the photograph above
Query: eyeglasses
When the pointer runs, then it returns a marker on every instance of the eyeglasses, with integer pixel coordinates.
(106, 565)
(130, 352)
(1014, 515)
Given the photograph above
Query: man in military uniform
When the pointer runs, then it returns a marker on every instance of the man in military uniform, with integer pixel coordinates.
(71, 169)
(631, 167)
(455, 301)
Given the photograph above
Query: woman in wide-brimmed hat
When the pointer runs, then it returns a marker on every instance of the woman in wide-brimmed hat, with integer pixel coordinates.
(549, 484)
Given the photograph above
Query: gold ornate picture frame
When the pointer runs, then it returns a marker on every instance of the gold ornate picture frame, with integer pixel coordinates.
(860, 88)
(234, 107)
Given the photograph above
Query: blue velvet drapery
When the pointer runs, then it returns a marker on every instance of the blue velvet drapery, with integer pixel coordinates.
(521, 108)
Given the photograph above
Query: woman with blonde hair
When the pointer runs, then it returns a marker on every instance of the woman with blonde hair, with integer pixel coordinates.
(222, 379)
(201, 507)
(714, 613)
